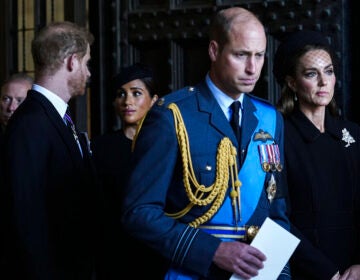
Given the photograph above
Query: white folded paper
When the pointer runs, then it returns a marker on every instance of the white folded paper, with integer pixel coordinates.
(277, 244)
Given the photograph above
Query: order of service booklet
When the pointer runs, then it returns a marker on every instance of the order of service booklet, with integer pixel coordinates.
(277, 244)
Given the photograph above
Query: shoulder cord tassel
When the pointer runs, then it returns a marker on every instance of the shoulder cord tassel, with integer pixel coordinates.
(214, 194)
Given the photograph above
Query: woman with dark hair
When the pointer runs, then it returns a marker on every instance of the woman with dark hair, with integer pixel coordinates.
(322, 153)
(134, 93)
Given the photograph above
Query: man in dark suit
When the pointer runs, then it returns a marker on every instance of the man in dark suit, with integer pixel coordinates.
(52, 196)
(186, 197)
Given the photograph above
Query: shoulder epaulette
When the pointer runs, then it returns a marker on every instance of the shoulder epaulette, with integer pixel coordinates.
(176, 96)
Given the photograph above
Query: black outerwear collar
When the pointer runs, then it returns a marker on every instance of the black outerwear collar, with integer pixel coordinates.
(308, 130)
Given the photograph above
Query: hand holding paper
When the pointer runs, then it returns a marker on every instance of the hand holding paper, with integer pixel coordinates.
(277, 244)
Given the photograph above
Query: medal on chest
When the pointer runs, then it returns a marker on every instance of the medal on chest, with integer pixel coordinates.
(270, 162)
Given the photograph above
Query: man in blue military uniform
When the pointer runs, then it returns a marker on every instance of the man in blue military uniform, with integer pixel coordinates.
(196, 190)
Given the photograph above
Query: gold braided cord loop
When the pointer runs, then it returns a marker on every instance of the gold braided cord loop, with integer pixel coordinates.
(226, 167)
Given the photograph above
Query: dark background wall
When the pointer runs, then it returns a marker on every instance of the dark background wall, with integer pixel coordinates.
(171, 36)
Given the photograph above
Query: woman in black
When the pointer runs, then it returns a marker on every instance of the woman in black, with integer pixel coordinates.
(322, 154)
(134, 94)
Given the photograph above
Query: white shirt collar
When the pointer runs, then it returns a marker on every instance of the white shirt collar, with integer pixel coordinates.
(223, 99)
(59, 104)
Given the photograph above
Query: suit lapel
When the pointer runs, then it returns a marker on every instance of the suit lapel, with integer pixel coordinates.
(58, 124)
(208, 104)
(248, 122)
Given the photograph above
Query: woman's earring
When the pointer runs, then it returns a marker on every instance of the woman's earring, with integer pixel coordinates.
(295, 97)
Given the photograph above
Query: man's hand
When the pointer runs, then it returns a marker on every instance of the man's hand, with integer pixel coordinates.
(239, 258)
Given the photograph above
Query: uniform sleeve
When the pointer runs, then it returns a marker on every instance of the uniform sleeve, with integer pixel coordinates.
(154, 164)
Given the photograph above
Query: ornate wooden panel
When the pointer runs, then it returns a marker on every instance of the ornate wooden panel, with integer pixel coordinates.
(172, 37)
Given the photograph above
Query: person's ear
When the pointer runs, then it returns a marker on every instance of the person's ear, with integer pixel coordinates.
(213, 50)
(154, 99)
(72, 61)
(290, 81)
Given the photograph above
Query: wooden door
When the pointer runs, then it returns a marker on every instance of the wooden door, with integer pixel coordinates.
(171, 36)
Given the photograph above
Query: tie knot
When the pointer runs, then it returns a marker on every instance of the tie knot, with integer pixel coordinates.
(67, 116)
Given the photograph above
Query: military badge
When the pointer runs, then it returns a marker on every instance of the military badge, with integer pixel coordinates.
(270, 157)
(262, 136)
(271, 189)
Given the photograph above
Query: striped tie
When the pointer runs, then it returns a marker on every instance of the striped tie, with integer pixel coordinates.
(70, 124)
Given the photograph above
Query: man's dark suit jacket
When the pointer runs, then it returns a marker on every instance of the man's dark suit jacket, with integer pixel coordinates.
(54, 200)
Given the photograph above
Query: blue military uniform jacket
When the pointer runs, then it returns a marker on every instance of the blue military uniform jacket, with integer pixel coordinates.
(156, 185)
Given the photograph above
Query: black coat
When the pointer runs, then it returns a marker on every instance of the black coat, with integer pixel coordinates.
(112, 156)
(324, 190)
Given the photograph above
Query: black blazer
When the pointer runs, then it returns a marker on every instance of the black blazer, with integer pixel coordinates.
(54, 202)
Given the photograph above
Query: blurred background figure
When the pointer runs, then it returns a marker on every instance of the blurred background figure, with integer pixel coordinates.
(13, 92)
(322, 155)
(134, 93)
